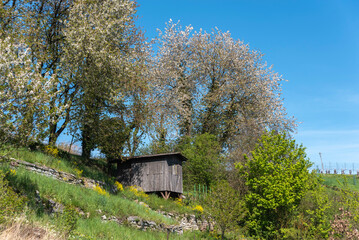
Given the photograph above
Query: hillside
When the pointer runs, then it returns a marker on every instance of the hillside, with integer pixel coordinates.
(81, 202)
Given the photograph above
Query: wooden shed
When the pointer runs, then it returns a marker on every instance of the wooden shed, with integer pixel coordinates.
(159, 173)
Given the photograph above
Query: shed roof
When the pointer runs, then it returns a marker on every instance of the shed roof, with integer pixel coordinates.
(181, 157)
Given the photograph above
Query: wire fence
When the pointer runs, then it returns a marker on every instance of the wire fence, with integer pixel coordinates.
(199, 191)
(337, 169)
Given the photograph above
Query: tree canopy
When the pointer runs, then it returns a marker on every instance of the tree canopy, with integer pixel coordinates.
(89, 71)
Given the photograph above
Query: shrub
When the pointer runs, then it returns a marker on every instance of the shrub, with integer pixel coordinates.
(51, 150)
(10, 202)
(277, 178)
(68, 220)
(204, 165)
(119, 186)
(313, 220)
(225, 207)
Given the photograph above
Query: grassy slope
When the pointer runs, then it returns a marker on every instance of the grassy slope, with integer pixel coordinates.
(341, 181)
(90, 201)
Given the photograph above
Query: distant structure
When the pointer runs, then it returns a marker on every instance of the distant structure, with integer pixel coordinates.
(158, 173)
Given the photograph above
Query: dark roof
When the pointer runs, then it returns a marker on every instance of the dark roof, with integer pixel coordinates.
(125, 159)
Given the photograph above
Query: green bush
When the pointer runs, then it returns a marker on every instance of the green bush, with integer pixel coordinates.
(204, 165)
(277, 178)
(313, 218)
(225, 207)
(68, 220)
(10, 202)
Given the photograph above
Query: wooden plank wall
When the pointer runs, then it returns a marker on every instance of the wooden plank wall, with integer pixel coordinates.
(154, 174)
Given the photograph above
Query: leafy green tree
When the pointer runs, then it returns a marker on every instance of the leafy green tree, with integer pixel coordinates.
(105, 54)
(277, 178)
(225, 206)
(204, 165)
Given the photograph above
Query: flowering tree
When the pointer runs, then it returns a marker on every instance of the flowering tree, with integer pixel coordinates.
(210, 83)
(95, 57)
(105, 55)
(22, 94)
(173, 82)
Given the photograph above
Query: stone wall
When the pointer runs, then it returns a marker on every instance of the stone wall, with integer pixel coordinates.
(59, 175)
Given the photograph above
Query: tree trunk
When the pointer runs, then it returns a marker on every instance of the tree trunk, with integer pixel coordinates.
(53, 137)
(86, 142)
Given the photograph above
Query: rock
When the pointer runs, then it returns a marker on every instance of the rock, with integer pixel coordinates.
(104, 217)
(55, 207)
(134, 219)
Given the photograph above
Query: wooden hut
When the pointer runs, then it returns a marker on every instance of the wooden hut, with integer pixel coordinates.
(158, 173)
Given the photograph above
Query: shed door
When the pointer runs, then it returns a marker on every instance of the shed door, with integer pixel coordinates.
(157, 172)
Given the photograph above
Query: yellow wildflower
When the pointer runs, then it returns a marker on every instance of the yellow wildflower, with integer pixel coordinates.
(198, 208)
(119, 186)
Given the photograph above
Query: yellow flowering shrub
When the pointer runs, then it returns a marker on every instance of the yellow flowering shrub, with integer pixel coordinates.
(51, 150)
(100, 190)
(78, 172)
(119, 186)
(138, 191)
(198, 208)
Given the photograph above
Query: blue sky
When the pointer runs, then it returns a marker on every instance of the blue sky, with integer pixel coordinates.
(313, 44)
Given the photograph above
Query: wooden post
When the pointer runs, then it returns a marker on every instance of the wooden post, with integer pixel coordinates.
(166, 195)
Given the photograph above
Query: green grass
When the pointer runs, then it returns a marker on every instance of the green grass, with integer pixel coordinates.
(90, 201)
(86, 199)
(121, 205)
(90, 168)
(93, 170)
(341, 181)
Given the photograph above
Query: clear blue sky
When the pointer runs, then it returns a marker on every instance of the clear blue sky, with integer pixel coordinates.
(313, 44)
